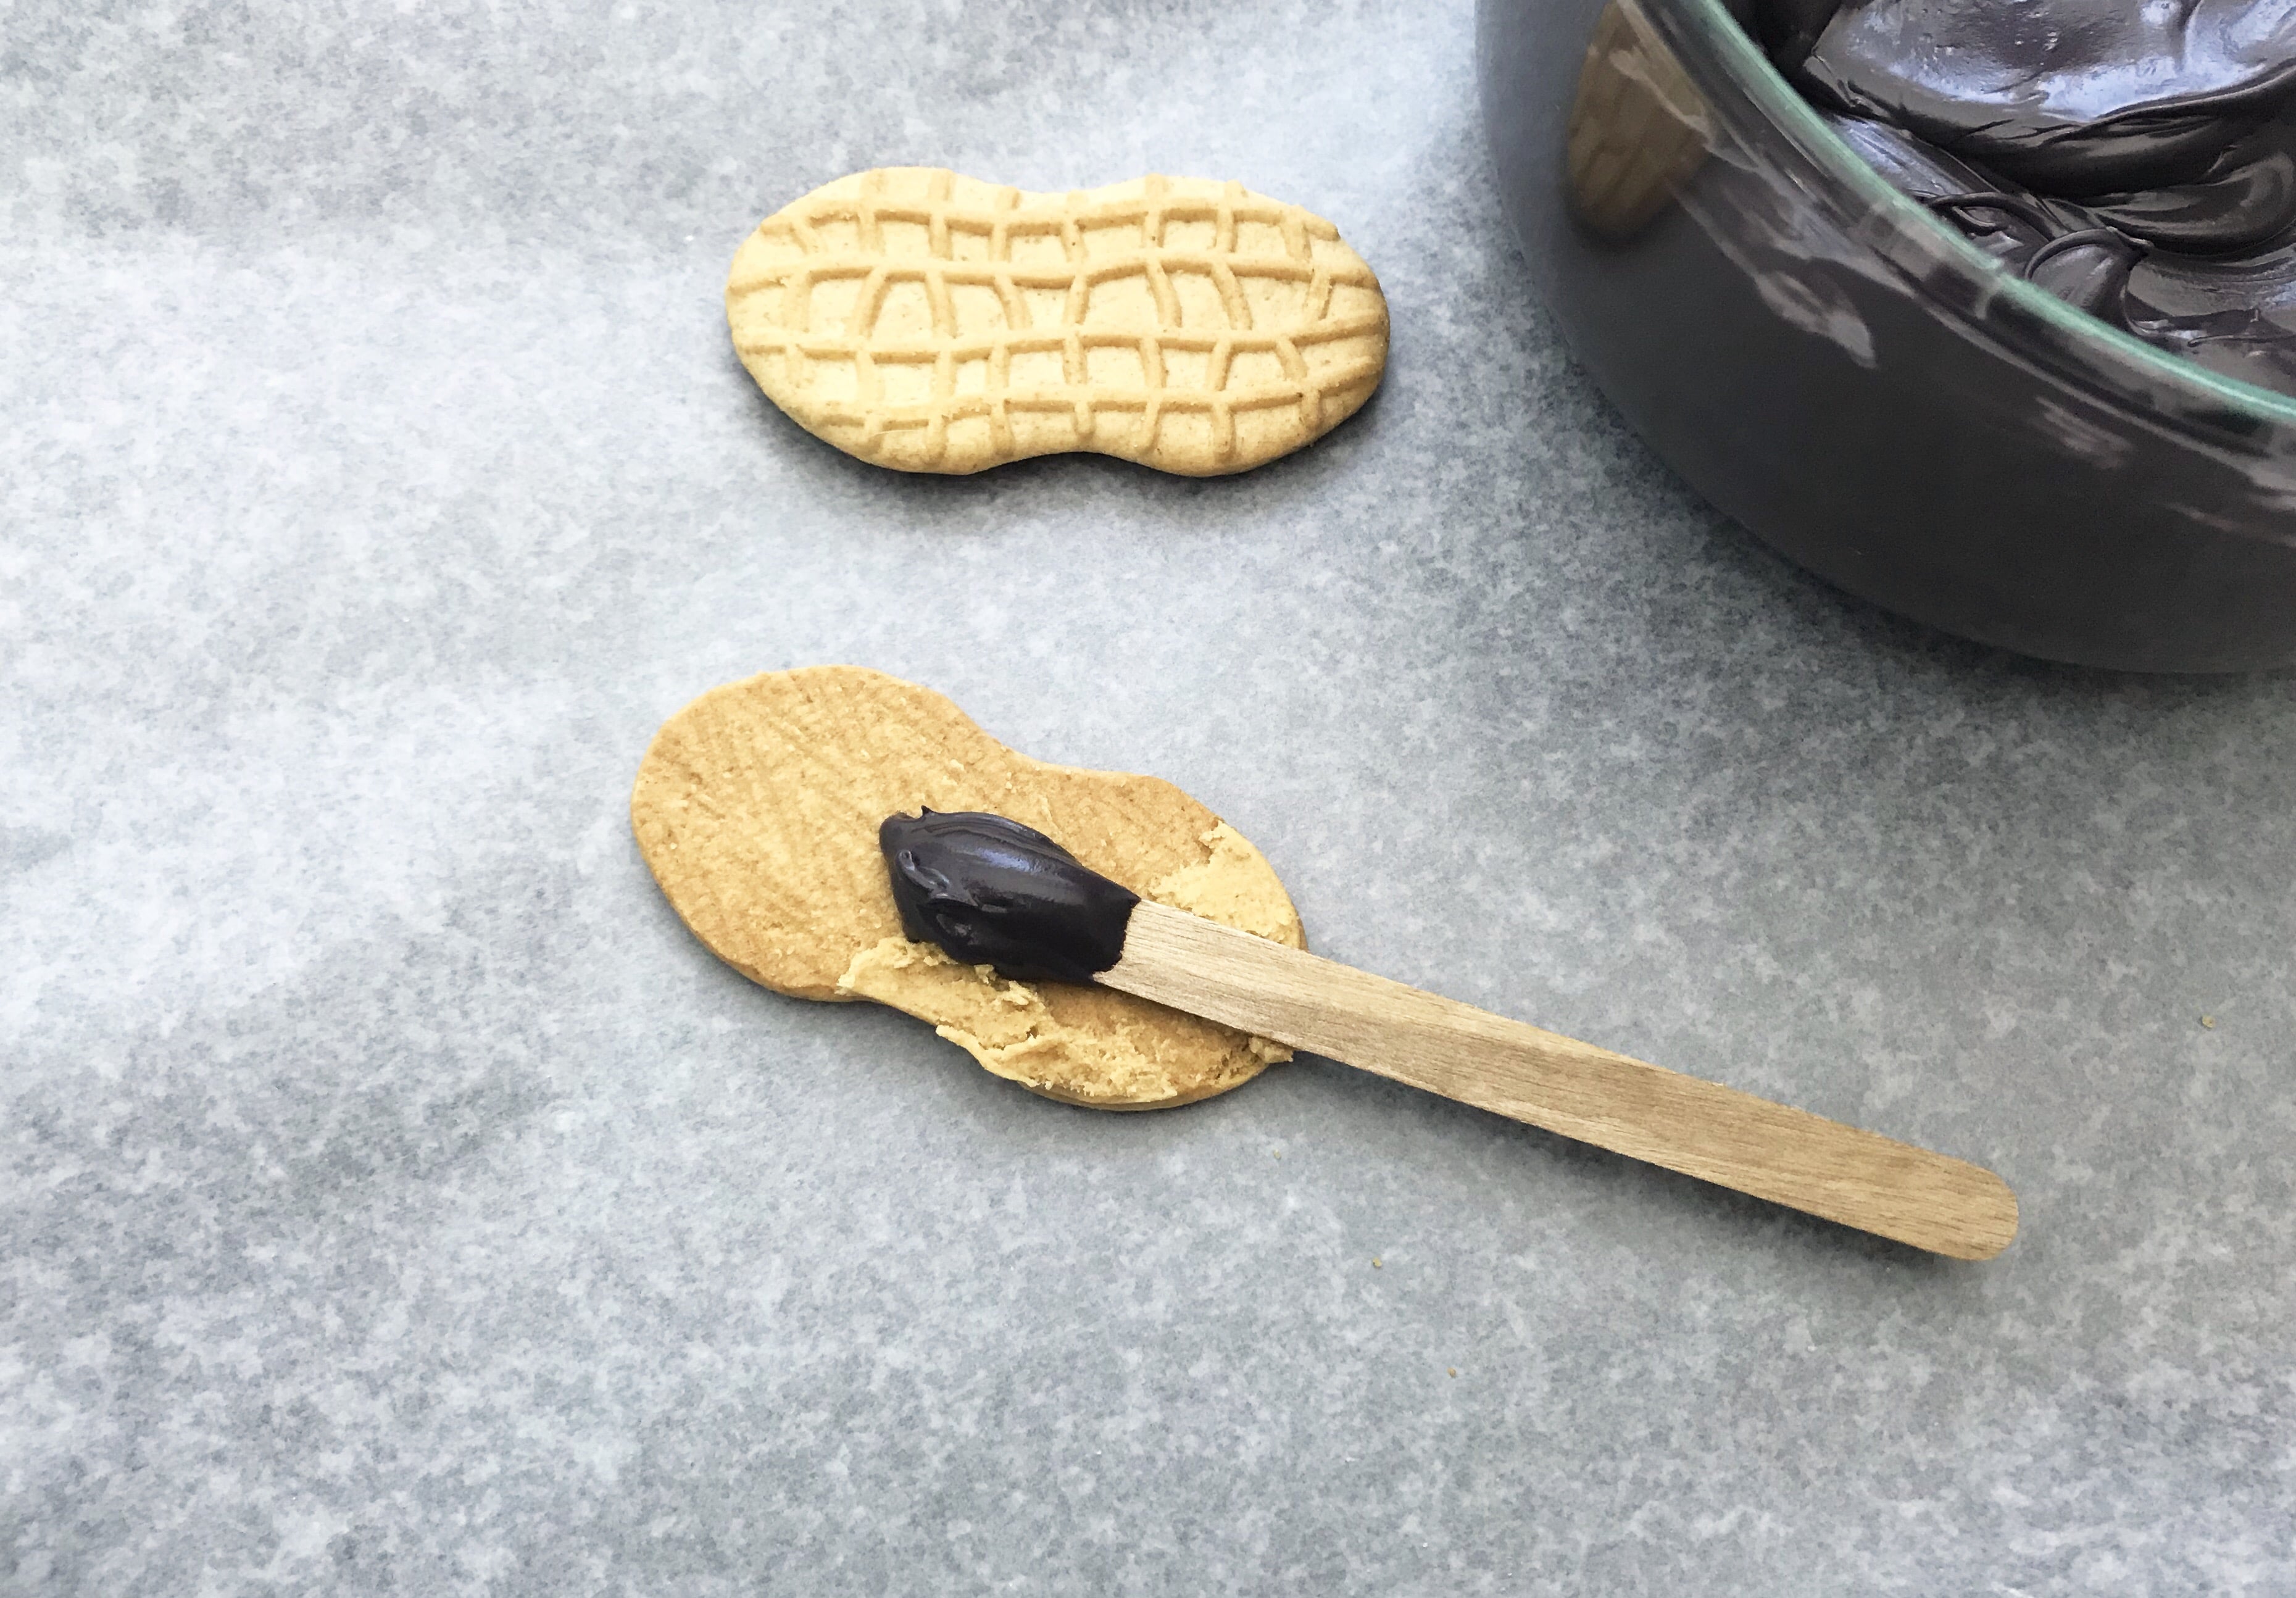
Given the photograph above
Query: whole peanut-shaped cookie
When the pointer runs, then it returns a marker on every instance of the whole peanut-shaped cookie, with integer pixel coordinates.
(932, 323)
(757, 808)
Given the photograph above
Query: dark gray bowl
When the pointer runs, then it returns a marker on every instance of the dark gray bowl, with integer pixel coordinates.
(1859, 385)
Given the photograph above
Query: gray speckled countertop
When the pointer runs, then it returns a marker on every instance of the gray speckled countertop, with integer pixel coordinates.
(396, 1199)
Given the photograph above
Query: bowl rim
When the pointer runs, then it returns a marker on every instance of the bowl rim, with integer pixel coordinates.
(1750, 67)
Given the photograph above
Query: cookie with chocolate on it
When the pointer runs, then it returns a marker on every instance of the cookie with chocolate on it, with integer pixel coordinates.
(757, 808)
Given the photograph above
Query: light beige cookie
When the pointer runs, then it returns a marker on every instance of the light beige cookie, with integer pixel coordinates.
(758, 809)
(933, 322)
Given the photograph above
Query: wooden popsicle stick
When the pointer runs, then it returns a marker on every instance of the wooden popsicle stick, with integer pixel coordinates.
(1699, 1129)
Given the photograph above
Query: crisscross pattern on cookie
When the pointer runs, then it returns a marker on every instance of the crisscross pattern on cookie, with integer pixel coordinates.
(930, 321)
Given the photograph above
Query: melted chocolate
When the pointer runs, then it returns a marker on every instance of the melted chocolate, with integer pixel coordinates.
(2137, 160)
(993, 892)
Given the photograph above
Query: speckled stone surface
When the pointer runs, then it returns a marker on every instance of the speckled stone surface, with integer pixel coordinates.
(395, 1199)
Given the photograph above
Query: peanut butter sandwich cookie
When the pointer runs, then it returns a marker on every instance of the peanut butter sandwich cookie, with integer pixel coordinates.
(933, 322)
(758, 809)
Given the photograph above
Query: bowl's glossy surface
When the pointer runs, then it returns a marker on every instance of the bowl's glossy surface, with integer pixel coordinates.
(1856, 384)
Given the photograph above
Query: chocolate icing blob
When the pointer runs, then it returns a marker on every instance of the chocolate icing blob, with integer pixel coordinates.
(993, 892)
(2138, 160)
(2077, 97)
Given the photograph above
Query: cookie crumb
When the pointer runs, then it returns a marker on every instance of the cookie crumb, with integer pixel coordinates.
(1374, 1263)
(2209, 1021)
(1455, 1369)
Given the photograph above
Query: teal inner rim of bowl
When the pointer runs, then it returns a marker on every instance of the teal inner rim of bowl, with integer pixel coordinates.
(1778, 100)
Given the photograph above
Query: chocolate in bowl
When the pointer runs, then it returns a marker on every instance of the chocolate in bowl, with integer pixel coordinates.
(1858, 384)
